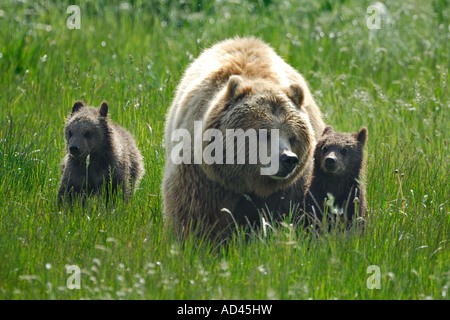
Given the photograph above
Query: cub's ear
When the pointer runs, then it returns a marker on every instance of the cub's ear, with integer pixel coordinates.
(361, 135)
(77, 106)
(104, 109)
(327, 130)
(295, 93)
(235, 86)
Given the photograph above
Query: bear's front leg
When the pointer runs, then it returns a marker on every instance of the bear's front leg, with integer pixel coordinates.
(73, 179)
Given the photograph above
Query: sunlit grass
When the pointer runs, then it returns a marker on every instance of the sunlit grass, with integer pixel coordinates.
(393, 80)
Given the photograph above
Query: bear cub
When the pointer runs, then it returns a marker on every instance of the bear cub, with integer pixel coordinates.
(98, 152)
(337, 182)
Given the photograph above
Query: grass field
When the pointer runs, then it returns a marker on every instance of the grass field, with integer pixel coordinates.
(394, 80)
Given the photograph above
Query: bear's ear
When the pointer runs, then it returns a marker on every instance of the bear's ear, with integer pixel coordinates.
(361, 135)
(234, 84)
(104, 109)
(295, 93)
(77, 106)
(327, 130)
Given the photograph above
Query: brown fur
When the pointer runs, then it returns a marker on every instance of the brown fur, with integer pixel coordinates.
(102, 150)
(238, 83)
(343, 176)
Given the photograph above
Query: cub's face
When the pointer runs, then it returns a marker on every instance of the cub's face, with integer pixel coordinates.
(339, 153)
(84, 131)
(267, 137)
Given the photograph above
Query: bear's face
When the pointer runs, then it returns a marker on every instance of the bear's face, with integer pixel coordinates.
(85, 130)
(244, 113)
(339, 153)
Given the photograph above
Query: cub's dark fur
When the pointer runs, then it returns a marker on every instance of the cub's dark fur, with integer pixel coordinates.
(338, 172)
(98, 152)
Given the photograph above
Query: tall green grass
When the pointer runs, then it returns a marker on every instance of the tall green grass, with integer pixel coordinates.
(393, 80)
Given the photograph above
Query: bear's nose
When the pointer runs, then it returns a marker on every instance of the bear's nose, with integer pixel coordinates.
(289, 160)
(330, 162)
(74, 149)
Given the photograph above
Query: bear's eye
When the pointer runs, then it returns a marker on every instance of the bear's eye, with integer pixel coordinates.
(70, 134)
(87, 134)
(344, 151)
(325, 149)
(292, 140)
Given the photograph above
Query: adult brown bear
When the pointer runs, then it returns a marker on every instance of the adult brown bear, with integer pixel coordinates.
(239, 84)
